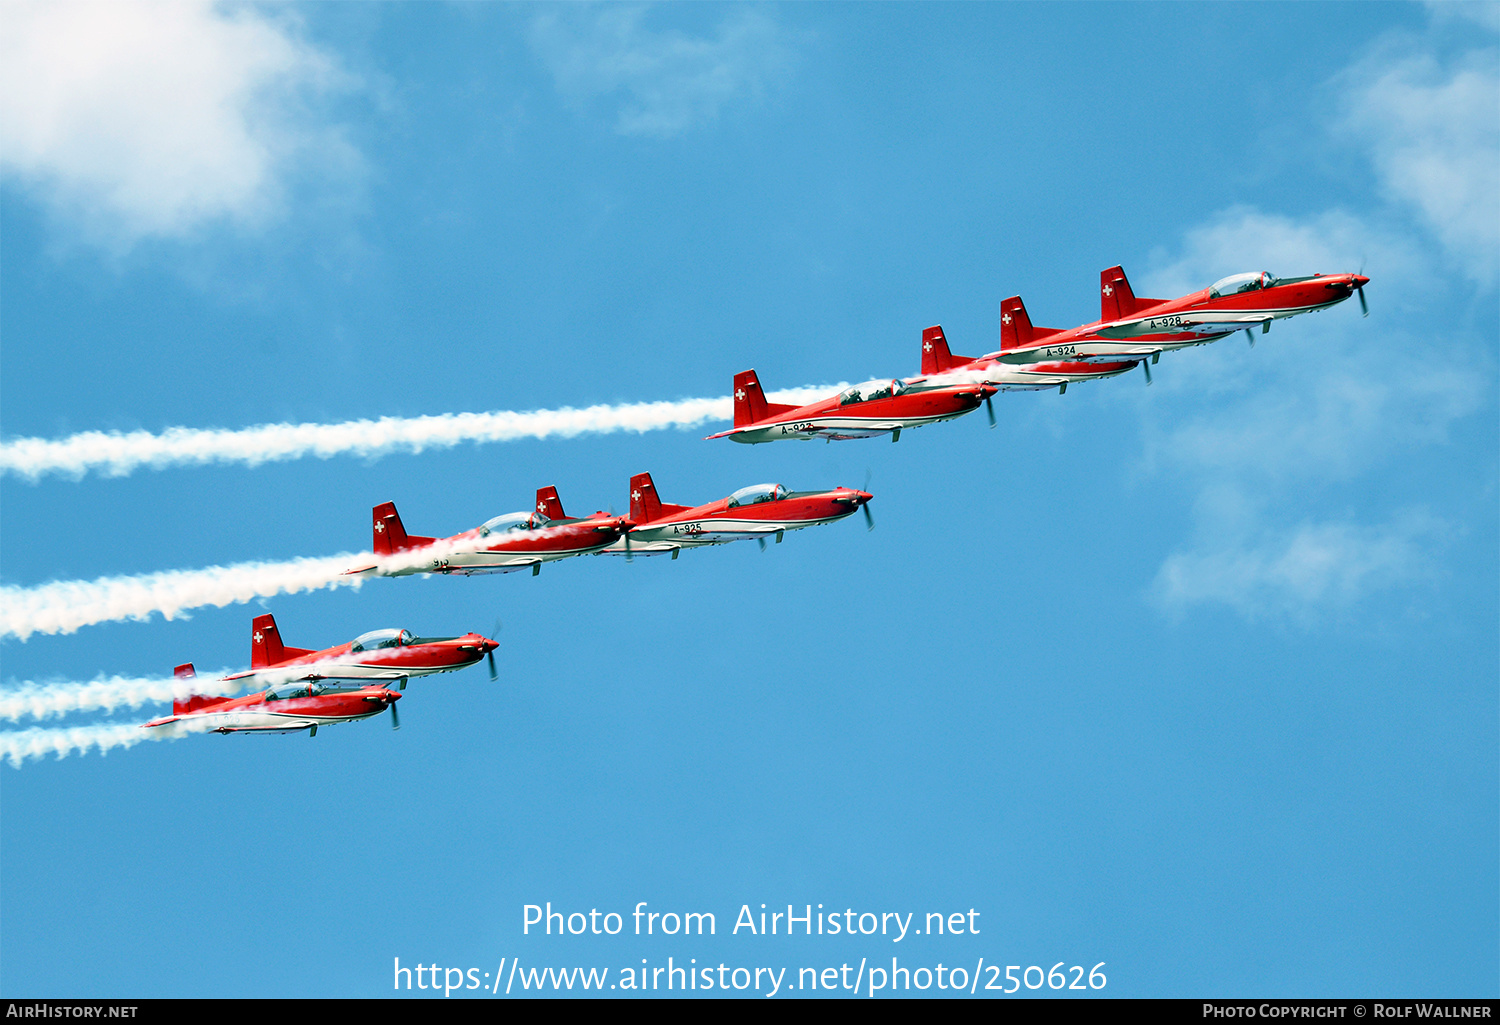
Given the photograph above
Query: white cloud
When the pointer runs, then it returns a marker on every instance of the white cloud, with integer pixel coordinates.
(1301, 573)
(1432, 132)
(141, 120)
(670, 81)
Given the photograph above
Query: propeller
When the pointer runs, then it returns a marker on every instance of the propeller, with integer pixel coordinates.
(395, 719)
(1146, 366)
(989, 407)
(495, 673)
(762, 543)
(869, 520)
(1364, 307)
(628, 556)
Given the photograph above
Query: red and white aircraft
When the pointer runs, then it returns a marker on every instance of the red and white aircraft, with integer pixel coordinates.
(938, 362)
(500, 545)
(304, 689)
(759, 512)
(1132, 326)
(862, 411)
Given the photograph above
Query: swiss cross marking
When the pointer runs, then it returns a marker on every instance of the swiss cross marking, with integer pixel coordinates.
(1005, 318)
(259, 637)
(740, 394)
(635, 496)
(379, 527)
(1108, 290)
(926, 346)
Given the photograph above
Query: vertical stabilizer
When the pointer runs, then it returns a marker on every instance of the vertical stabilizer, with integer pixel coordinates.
(184, 671)
(1015, 326)
(749, 400)
(390, 535)
(645, 503)
(1116, 300)
(266, 648)
(548, 505)
(936, 357)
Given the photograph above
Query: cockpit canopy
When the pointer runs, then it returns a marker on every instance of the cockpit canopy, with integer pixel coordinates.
(381, 639)
(512, 521)
(1236, 283)
(871, 390)
(758, 493)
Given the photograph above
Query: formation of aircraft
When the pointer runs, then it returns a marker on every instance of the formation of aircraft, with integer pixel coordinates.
(302, 688)
(759, 511)
(885, 406)
(503, 544)
(1130, 326)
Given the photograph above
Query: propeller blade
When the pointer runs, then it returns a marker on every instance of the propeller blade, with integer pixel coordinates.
(762, 543)
(1363, 306)
(869, 520)
(1146, 366)
(1250, 335)
(395, 719)
(628, 556)
(989, 407)
(494, 673)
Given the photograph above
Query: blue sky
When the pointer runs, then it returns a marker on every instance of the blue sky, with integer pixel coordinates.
(1196, 680)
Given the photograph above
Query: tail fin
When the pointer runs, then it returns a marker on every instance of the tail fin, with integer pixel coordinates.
(1015, 326)
(193, 702)
(935, 355)
(390, 536)
(645, 503)
(266, 648)
(1116, 299)
(549, 505)
(749, 400)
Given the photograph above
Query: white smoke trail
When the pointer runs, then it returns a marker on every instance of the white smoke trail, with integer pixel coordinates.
(44, 700)
(115, 455)
(39, 742)
(66, 605)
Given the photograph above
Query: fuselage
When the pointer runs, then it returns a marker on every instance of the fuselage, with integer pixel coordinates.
(283, 709)
(1194, 319)
(895, 406)
(377, 655)
(756, 512)
(505, 544)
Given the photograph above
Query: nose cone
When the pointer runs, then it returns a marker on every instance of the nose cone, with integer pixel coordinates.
(861, 497)
(1358, 280)
(487, 645)
(392, 696)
